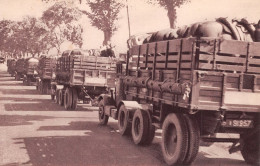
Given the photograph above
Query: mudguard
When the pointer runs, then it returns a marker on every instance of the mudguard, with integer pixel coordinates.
(108, 100)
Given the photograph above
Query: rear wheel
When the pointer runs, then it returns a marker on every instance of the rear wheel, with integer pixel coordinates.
(68, 99)
(174, 139)
(194, 139)
(140, 127)
(124, 125)
(103, 118)
(250, 150)
(74, 99)
(60, 101)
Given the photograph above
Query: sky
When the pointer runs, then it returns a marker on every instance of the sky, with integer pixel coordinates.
(143, 17)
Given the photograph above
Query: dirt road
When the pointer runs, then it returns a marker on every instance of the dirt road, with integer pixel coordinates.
(36, 131)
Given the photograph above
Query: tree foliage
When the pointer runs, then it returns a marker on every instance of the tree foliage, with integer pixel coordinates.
(170, 6)
(103, 14)
(62, 19)
(32, 36)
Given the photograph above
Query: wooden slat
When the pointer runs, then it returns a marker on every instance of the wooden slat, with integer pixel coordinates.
(172, 58)
(254, 49)
(230, 59)
(209, 98)
(253, 69)
(151, 49)
(210, 93)
(233, 47)
(187, 45)
(134, 50)
(206, 57)
(254, 61)
(186, 57)
(175, 45)
(186, 65)
(161, 47)
(143, 49)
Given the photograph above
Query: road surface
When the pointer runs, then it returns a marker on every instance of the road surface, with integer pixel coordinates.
(36, 131)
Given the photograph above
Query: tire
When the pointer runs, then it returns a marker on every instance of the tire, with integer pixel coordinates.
(124, 125)
(151, 133)
(174, 139)
(140, 127)
(250, 150)
(103, 118)
(61, 98)
(194, 139)
(74, 99)
(68, 99)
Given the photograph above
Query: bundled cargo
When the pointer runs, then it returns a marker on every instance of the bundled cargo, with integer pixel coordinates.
(83, 75)
(46, 74)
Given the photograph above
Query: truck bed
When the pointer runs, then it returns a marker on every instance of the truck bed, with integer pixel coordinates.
(86, 71)
(220, 74)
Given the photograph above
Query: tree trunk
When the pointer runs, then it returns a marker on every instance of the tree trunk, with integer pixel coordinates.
(107, 37)
(172, 16)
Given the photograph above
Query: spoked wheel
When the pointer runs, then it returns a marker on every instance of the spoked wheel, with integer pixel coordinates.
(60, 101)
(174, 139)
(194, 139)
(68, 99)
(140, 127)
(123, 124)
(103, 118)
(74, 99)
(250, 150)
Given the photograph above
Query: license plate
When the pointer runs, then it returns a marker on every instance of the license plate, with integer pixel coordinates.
(238, 123)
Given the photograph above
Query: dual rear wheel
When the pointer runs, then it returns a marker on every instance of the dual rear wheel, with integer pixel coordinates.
(70, 98)
(180, 139)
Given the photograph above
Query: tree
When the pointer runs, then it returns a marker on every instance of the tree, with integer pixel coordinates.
(170, 6)
(103, 14)
(62, 19)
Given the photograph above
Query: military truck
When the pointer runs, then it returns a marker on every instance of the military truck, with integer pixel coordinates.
(192, 83)
(19, 69)
(46, 74)
(30, 72)
(11, 66)
(82, 76)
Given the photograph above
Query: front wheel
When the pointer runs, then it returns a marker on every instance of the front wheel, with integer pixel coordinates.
(250, 150)
(103, 118)
(174, 139)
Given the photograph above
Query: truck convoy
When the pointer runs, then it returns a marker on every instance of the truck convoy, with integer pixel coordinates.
(191, 82)
(82, 75)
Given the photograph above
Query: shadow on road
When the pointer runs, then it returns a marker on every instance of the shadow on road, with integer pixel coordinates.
(15, 120)
(101, 145)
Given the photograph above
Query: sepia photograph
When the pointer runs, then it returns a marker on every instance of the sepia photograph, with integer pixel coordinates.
(129, 82)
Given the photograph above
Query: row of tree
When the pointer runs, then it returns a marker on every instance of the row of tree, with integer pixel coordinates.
(59, 23)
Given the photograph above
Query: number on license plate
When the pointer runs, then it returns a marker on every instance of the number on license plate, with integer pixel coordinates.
(238, 123)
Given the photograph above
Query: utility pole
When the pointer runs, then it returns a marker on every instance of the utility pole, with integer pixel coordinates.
(129, 30)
